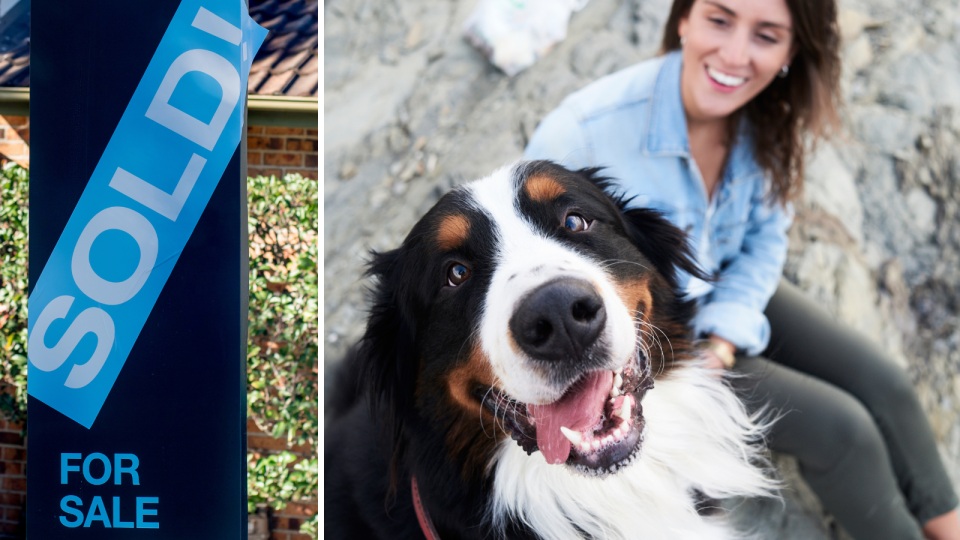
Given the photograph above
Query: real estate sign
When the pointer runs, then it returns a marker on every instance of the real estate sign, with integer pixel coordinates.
(137, 307)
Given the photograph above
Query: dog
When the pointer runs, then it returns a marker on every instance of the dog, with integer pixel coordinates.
(527, 371)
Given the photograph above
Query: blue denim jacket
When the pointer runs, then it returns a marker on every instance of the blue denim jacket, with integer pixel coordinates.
(632, 122)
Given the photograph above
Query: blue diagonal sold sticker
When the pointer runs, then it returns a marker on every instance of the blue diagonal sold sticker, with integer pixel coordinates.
(140, 206)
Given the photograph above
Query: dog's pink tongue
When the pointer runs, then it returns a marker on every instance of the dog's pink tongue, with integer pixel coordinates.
(579, 409)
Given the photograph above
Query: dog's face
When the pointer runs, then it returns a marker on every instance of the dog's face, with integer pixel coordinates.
(528, 304)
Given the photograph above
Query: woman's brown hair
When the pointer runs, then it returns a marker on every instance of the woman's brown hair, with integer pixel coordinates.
(805, 100)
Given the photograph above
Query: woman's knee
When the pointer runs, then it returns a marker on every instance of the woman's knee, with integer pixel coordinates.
(848, 434)
(888, 390)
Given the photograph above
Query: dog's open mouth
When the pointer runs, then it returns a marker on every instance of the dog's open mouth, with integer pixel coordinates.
(595, 427)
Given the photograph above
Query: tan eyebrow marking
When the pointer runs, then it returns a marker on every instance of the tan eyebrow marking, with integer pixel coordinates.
(543, 188)
(453, 232)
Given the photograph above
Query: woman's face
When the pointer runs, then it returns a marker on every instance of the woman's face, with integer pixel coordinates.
(732, 50)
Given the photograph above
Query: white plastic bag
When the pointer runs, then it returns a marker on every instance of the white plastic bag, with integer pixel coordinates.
(513, 34)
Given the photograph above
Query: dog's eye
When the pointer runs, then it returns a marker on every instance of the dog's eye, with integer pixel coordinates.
(576, 223)
(457, 274)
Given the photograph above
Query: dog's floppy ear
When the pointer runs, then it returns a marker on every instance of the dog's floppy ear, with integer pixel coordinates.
(663, 243)
(387, 359)
(659, 240)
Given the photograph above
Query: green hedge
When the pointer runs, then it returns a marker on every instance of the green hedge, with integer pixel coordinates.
(282, 350)
(13, 291)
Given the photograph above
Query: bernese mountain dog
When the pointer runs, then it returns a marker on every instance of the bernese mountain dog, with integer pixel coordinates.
(527, 372)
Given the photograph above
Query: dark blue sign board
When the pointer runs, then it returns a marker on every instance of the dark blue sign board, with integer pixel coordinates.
(138, 269)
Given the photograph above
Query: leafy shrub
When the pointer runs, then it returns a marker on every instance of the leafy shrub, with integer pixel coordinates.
(283, 348)
(13, 291)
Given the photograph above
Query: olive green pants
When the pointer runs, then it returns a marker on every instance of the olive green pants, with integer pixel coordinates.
(851, 418)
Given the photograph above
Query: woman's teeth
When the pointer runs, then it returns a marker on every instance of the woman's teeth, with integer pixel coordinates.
(724, 79)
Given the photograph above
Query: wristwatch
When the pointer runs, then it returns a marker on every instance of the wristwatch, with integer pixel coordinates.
(722, 352)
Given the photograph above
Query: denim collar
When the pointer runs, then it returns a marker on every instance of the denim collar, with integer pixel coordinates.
(666, 133)
(667, 124)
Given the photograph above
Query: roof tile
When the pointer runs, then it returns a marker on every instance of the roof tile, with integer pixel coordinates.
(268, 7)
(309, 67)
(298, 24)
(274, 85)
(256, 78)
(275, 24)
(265, 63)
(304, 86)
(290, 63)
(280, 41)
(304, 42)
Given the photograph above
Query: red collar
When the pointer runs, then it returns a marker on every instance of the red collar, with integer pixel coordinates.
(426, 524)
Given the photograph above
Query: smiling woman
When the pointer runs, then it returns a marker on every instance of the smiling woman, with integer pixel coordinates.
(712, 134)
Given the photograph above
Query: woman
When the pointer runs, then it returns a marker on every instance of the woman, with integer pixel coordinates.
(711, 133)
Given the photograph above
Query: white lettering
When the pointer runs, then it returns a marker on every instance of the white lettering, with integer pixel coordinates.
(215, 26)
(130, 222)
(167, 205)
(214, 65)
(93, 320)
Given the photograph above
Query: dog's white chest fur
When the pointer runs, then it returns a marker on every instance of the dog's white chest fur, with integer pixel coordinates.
(698, 436)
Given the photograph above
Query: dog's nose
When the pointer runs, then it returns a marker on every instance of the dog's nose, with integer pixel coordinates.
(559, 320)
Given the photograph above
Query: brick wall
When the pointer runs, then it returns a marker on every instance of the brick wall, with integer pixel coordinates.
(13, 479)
(276, 151)
(282, 524)
(15, 139)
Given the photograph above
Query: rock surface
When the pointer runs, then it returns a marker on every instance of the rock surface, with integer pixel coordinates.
(412, 110)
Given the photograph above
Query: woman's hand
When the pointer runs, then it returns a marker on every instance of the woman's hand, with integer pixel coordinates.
(713, 352)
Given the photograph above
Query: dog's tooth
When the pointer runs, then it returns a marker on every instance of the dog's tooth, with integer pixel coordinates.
(585, 447)
(614, 392)
(618, 371)
(625, 410)
(618, 381)
(608, 439)
(596, 445)
(575, 437)
(617, 433)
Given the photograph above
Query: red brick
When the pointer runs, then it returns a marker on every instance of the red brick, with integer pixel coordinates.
(302, 449)
(11, 468)
(279, 536)
(284, 131)
(281, 523)
(252, 426)
(299, 537)
(308, 145)
(10, 437)
(8, 528)
(313, 132)
(271, 158)
(22, 134)
(254, 129)
(15, 121)
(306, 173)
(14, 454)
(11, 498)
(15, 484)
(293, 144)
(12, 514)
(13, 149)
(310, 160)
(300, 509)
(18, 426)
(264, 172)
(253, 158)
(265, 143)
(266, 443)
